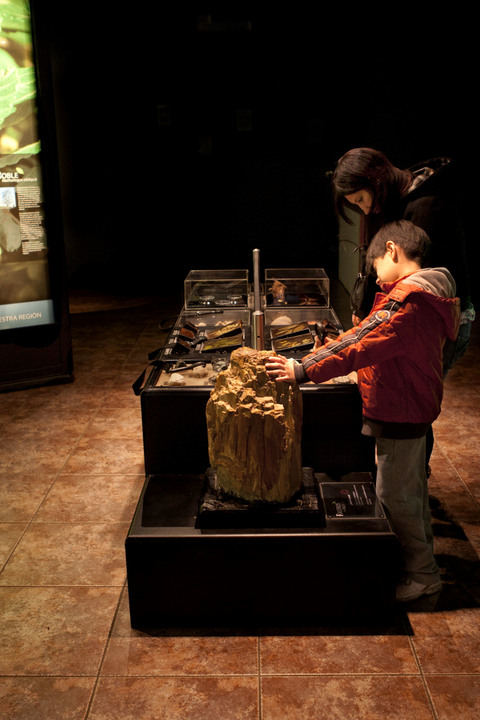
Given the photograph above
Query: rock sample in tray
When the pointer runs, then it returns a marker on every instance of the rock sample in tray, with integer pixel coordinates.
(254, 429)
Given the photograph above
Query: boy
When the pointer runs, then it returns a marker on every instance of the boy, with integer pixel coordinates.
(397, 351)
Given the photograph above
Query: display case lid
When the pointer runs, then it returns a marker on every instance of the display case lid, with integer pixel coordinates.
(216, 288)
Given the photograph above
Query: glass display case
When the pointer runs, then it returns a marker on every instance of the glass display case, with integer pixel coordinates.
(216, 288)
(297, 287)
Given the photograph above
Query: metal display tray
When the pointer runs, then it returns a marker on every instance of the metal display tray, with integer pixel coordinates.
(292, 331)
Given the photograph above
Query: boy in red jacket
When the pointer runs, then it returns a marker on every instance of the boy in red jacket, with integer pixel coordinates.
(397, 353)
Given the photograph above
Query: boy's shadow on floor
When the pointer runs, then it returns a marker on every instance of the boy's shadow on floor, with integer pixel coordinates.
(459, 565)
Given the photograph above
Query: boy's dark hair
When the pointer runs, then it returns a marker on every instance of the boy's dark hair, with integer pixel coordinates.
(414, 242)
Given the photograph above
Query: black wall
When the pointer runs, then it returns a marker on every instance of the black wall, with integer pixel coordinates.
(157, 178)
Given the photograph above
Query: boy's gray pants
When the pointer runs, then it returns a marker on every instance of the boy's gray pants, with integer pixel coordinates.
(402, 488)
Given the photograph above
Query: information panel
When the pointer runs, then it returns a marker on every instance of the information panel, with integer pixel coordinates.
(350, 500)
(25, 293)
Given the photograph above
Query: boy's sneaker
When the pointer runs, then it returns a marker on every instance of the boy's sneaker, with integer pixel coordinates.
(410, 589)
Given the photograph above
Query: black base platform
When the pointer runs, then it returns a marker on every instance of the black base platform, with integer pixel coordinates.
(180, 574)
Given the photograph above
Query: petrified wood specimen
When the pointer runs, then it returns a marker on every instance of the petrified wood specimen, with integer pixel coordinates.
(254, 429)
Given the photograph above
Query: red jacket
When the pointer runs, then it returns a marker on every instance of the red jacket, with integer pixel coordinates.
(397, 351)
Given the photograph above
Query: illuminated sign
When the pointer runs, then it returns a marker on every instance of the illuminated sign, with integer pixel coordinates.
(25, 295)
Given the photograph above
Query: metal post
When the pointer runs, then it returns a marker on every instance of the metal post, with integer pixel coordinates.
(258, 319)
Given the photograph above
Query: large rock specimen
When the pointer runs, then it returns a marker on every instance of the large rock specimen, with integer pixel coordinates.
(254, 431)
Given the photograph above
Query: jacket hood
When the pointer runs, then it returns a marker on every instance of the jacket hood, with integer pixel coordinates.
(438, 281)
(438, 287)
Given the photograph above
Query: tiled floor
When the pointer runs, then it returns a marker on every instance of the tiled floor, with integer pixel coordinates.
(71, 472)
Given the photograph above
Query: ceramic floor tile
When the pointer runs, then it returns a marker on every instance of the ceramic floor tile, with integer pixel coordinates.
(24, 457)
(344, 698)
(108, 332)
(10, 534)
(99, 357)
(457, 423)
(150, 340)
(132, 368)
(70, 396)
(38, 698)
(455, 696)
(340, 654)
(461, 466)
(458, 444)
(10, 404)
(467, 371)
(132, 653)
(447, 640)
(450, 538)
(450, 493)
(148, 343)
(457, 559)
(177, 699)
(472, 531)
(106, 456)
(54, 631)
(91, 370)
(98, 499)
(116, 422)
(68, 554)
(121, 395)
(21, 495)
(190, 655)
(460, 399)
(49, 423)
(468, 468)
(461, 414)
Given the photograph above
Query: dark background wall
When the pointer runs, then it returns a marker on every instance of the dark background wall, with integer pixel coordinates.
(161, 174)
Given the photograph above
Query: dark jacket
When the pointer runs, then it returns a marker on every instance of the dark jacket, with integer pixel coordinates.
(433, 205)
(397, 353)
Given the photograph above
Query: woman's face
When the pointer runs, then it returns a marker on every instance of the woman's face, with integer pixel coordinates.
(362, 198)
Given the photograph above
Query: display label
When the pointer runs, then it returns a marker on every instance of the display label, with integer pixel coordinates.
(25, 297)
(350, 500)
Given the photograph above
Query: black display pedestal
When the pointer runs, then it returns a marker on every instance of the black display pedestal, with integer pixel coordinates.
(181, 575)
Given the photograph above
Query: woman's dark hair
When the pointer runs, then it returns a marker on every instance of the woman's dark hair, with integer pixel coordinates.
(413, 240)
(368, 169)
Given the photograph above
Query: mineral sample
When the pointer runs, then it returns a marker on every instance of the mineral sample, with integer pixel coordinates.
(254, 429)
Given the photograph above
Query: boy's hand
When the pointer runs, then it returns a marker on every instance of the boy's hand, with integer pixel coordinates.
(280, 368)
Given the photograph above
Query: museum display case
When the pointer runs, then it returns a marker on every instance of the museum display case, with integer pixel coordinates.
(182, 375)
(297, 286)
